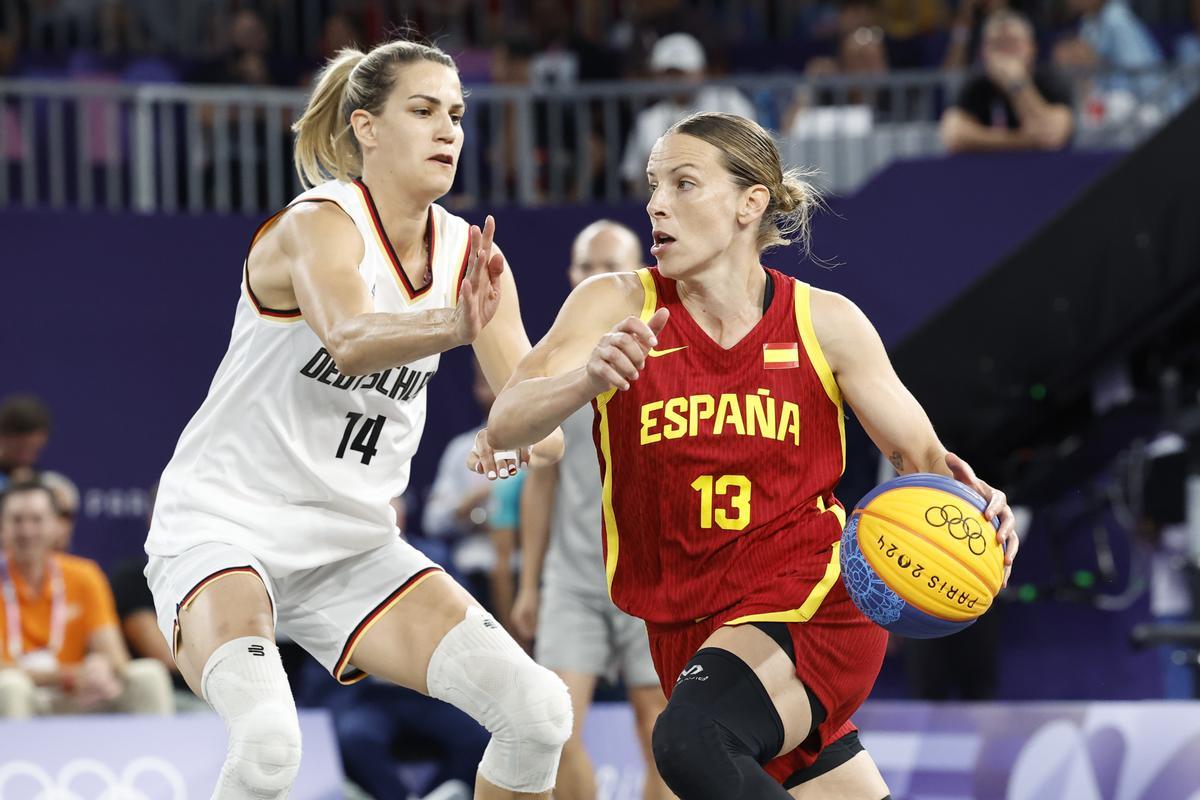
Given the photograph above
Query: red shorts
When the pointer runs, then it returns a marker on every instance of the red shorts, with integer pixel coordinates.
(838, 655)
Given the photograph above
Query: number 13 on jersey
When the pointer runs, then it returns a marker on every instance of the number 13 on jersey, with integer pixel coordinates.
(733, 488)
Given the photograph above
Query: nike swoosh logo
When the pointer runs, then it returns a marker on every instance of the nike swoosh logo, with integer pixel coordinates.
(668, 351)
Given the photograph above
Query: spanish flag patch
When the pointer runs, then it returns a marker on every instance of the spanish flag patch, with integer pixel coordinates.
(781, 355)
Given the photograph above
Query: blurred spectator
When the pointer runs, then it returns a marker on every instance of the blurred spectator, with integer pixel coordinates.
(1187, 47)
(24, 431)
(908, 25)
(679, 57)
(850, 110)
(457, 508)
(563, 56)
(66, 501)
(246, 56)
(504, 513)
(10, 36)
(966, 33)
(1111, 36)
(1013, 105)
(63, 651)
(636, 33)
(374, 721)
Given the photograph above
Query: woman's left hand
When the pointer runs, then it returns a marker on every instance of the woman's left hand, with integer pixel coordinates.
(495, 463)
(997, 509)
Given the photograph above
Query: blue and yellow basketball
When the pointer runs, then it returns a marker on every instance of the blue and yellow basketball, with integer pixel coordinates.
(920, 558)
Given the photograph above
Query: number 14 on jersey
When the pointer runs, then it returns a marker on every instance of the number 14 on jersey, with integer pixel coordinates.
(733, 488)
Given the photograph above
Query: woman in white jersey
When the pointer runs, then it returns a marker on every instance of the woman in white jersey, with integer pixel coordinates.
(274, 511)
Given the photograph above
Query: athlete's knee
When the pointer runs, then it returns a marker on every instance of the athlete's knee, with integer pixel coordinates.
(685, 737)
(264, 749)
(245, 684)
(481, 670)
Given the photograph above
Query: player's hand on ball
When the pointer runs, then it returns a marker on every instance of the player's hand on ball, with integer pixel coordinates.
(621, 354)
(479, 296)
(494, 463)
(997, 509)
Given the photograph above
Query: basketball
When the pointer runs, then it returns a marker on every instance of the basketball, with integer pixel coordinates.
(919, 557)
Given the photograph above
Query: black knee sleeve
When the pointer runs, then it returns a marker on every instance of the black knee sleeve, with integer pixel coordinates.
(718, 729)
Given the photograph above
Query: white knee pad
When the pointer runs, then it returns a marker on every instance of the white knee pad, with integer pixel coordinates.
(481, 670)
(245, 683)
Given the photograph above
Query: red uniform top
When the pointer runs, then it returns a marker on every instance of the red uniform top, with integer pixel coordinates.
(719, 467)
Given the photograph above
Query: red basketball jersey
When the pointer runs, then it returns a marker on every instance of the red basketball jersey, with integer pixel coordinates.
(719, 468)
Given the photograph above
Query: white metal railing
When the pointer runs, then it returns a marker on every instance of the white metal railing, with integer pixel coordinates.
(169, 148)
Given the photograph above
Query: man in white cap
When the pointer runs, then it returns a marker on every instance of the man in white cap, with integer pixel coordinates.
(678, 57)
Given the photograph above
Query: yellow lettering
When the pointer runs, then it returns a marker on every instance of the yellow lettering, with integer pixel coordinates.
(649, 421)
(675, 413)
(729, 412)
(701, 407)
(757, 419)
(789, 422)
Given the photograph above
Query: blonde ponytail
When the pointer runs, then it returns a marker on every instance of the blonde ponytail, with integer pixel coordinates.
(325, 144)
(794, 200)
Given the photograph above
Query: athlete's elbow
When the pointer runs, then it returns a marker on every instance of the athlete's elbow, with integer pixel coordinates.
(502, 433)
(348, 351)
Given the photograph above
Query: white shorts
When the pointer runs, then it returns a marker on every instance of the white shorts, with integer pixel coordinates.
(578, 632)
(326, 609)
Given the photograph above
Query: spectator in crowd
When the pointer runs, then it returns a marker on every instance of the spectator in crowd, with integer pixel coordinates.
(563, 56)
(374, 721)
(1187, 46)
(1111, 36)
(679, 57)
(62, 651)
(577, 631)
(138, 619)
(24, 432)
(854, 110)
(457, 509)
(1012, 105)
(966, 32)
(908, 24)
(66, 501)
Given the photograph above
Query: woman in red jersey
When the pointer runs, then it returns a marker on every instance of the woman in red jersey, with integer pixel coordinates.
(721, 440)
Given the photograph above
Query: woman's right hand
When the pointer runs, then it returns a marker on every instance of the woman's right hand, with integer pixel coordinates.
(621, 353)
(479, 296)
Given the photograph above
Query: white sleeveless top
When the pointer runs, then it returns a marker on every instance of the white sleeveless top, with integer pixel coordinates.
(287, 457)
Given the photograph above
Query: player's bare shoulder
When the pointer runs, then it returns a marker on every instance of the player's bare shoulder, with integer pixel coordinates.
(318, 233)
(604, 300)
(842, 329)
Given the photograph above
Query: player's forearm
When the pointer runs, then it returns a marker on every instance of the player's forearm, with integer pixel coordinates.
(967, 135)
(502, 577)
(529, 411)
(930, 458)
(537, 502)
(374, 342)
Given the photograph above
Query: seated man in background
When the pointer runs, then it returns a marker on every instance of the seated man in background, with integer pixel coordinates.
(24, 432)
(675, 57)
(1012, 105)
(62, 650)
(66, 501)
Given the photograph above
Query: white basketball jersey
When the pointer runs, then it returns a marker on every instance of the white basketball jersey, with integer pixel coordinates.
(287, 457)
